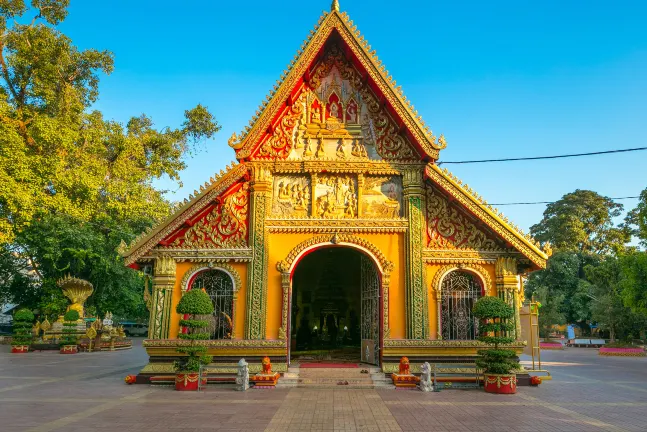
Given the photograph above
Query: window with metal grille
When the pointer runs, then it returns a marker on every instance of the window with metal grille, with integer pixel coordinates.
(459, 292)
(220, 287)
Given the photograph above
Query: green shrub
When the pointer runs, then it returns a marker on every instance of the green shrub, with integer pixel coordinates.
(69, 336)
(22, 323)
(494, 329)
(194, 303)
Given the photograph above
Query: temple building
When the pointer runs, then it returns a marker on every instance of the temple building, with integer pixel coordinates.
(335, 230)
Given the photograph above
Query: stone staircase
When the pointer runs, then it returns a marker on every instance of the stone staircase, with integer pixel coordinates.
(317, 378)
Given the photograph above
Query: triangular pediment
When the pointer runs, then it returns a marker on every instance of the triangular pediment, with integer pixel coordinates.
(457, 218)
(215, 217)
(337, 102)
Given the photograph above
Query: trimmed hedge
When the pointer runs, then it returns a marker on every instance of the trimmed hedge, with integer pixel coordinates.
(495, 313)
(69, 336)
(194, 303)
(22, 323)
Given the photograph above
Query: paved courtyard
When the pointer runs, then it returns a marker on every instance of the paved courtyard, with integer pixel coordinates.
(51, 392)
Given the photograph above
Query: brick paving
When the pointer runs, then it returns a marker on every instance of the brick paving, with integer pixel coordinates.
(50, 392)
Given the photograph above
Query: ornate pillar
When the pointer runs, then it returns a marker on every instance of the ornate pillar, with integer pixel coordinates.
(416, 294)
(260, 197)
(507, 285)
(160, 310)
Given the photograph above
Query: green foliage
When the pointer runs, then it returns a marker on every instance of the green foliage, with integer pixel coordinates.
(69, 336)
(74, 185)
(22, 322)
(633, 283)
(582, 221)
(492, 307)
(494, 313)
(194, 303)
(71, 315)
(562, 290)
(637, 219)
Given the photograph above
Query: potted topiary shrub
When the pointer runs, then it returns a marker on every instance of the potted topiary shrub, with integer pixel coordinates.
(68, 343)
(498, 364)
(21, 340)
(192, 304)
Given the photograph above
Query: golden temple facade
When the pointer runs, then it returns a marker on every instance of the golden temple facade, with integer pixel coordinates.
(335, 223)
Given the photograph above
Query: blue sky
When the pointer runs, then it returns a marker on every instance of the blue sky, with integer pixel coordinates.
(499, 79)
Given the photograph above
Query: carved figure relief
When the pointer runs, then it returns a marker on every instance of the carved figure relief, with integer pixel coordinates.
(336, 197)
(291, 196)
(382, 197)
(336, 117)
(225, 226)
(448, 228)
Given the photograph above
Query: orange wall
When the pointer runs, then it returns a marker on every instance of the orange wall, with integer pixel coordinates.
(239, 306)
(279, 246)
(432, 269)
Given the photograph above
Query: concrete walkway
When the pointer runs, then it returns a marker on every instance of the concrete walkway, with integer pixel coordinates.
(51, 392)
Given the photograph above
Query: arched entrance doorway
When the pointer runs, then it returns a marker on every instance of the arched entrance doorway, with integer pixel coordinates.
(335, 306)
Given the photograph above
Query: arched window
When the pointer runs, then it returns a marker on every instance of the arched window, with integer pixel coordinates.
(459, 292)
(220, 287)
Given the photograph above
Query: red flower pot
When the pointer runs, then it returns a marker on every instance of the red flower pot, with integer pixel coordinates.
(186, 381)
(69, 349)
(500, 384)
(20, 349)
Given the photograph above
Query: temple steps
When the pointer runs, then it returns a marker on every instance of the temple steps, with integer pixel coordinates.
(339, 378)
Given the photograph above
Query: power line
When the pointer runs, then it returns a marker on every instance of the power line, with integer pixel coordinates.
(551, 202)
(544, 157)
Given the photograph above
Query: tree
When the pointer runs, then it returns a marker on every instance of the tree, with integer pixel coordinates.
(55, 156)
(582, 221)
(560, 289)
(633, 269)
(73, 185)
(607, 308)
(637, 219)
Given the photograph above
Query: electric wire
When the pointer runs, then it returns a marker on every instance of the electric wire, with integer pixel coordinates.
(543, 157)
(551, 202)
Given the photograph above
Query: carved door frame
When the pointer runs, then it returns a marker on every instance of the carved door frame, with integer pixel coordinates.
(288, 265)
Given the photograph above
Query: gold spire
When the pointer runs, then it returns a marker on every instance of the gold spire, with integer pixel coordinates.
(334, 6)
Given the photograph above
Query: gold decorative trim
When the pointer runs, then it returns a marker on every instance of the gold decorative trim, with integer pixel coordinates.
(459, 256)
(433, 343)
(286, 264)
(204, 255)
(465, 196)
(220, 343)
(196, 202)
(481, 272)
(275, 102)
(232, 272)
(335, 166)
(325, 226)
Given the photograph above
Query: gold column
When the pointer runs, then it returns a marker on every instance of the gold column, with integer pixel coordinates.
(160, 310)
(416, 294)
(507, 285)
(360, 193)
(260, 187)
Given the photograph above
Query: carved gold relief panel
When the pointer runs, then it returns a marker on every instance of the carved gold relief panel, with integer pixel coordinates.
(382, 197)
(335, 197)
(224, 227)
(291, 196)
(336, 117)
(450, 228)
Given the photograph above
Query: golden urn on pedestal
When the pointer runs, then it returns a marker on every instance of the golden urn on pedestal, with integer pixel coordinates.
(77, 290)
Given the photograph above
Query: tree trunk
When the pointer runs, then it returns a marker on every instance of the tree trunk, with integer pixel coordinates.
(612, 334)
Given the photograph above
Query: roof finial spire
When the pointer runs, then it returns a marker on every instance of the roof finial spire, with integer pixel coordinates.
(334, 6)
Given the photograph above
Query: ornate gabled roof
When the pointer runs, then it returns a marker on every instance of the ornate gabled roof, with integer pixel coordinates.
(283, 92)
(490, 216)
(189, 208)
